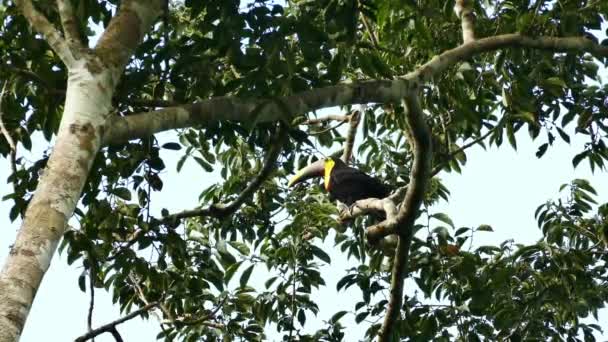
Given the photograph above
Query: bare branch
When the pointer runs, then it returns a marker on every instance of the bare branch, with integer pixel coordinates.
(464, 11)
(7, 136)
(110, 327)
(122, 129)
(41, 24)
(331, 117)
(69, 23)
(349, 143)
(224, 210)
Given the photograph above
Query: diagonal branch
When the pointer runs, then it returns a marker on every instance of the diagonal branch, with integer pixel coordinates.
(419, 136)
(349, 143)
(111, 327)
(464, 11)
(122, 129)
(223, 210)
(41, 24)
(125, 31)
(69, 23)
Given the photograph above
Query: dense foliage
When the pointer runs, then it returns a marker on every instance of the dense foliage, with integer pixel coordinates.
(251, 274)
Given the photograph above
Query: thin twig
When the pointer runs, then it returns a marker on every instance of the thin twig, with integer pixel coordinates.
(109, 327)
(224, 210)
(462, 148)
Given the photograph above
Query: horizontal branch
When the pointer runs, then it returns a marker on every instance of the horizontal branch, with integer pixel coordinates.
(110, 327)
(331, 117)
(122, 129)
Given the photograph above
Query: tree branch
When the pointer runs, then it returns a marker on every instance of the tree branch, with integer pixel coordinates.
(464, 11)
(331, 117)
(125, 31)
(223, 210)
(349, 143)
(69, 23)
(110, 327)
(419, 136)
(122, 129)
(53, 37)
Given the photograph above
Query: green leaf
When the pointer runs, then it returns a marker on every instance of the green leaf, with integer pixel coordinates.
(319, 253)
(484, 228)
(230, 272)
(336, 317)
(123, 193)
(240, 246)
(172, 146)
(245, 276)
(443, 218)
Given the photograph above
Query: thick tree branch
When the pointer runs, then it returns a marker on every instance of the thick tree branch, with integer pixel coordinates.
(125, 31)
(110, 327)
(69, 23)
(349, 143)
(420, 141)
(224, 210)
(41, 24)
(464, 11)
(122, 129)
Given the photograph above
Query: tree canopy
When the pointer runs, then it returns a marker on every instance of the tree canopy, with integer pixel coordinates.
(411, 86)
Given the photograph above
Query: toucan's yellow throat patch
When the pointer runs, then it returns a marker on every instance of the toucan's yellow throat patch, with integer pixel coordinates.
(329, 165)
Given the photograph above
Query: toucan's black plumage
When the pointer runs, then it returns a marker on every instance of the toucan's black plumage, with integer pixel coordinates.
(342, 182)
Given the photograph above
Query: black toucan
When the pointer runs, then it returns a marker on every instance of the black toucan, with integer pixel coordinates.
(342, 182)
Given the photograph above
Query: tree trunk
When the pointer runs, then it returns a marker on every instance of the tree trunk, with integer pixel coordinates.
(87, 107)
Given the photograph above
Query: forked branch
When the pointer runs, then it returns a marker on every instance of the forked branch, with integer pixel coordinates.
(41, 24)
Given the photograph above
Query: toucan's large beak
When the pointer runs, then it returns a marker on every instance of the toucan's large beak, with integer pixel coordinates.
(316, 169)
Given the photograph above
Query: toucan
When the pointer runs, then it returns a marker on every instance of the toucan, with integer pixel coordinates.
(342, 182)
